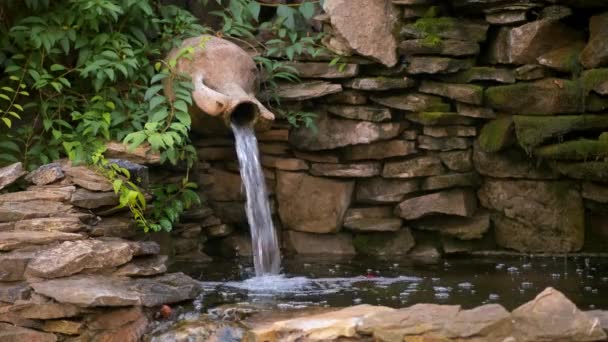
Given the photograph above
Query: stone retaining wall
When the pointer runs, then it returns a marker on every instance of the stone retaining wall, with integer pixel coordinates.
(450, 127)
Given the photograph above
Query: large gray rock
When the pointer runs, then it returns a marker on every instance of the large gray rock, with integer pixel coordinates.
(332, 133)
(415, 167)
(452, 202)
(315, 244)
(9, 174)
(535, 216)
(596, 52)
(381, 190)
(312, 204)
(18, 239)
(553, 317)
(95, 290)
(367, 27)
(73, 257)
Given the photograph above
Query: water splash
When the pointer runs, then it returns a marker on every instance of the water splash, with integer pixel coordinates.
(266, 253)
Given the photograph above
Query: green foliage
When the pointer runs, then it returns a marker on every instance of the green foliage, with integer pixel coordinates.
(431, 28)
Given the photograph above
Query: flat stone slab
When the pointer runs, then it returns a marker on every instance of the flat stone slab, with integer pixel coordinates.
(382, 190)
(66, 224)
(9, 174)
(413, 102)
(15, 211)
(144, 267)
(319, 244)
(366, 169)
(18, 239)
(380, 150)
(95, 290)
(365, 113)
(307, 90)
(58, 194)
(451, 202)
(415, 167)
(83, 198)
(323, 70)
(9, 332)
(87, 178)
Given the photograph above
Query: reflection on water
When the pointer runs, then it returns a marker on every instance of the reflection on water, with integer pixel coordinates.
(468, 282)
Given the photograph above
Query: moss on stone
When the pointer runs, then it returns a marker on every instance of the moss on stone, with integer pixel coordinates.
(496, 134)
(531, 131)
(369, 244)
(582, 149)
(593, 78)
(439, 118)
(591, 171)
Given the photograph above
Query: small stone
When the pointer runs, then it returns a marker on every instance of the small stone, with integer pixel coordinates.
(323, 70)
(380, 190)
(443, 144)
(368, 169)
(531, 72)
(439, 118)
(449, 131)
(445, 47)
(452, 180)
(413, 102)
(452, 202)
(63, 326)
(384, 243)
(463, 228)
(351, 97)
(436, 65)
(415, 167)
(46, 174)
(19, 239)
(287, 164)
(373, 224)
(460, 92)
(481, 74)
(143, 267)
(87, 178)
(459, 161)
(91, 200)
(366, 113)
(10, 174)
(307, 90)
(595, 53)
(464, 109)
(380, 83)
(318, 244)
(380, 150)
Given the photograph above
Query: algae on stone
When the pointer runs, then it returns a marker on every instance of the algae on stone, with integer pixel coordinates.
(591, 171)
(581, 149)
(496, 134)
(439, 118)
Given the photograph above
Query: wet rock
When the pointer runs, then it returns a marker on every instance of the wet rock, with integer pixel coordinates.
(553, 316)
(318, 244)
(347, 96)
(330, 326)
(415, 167)
(445, 47)
(73, 257)
(596, 52)
(452, 180)
(380, 190)
(531, 72)
(286, 164)
(466, 93)
(449, 131)
(561, 59)
(463, 228)
(87, 178)
(452, 202)
(12, 333)
(307, 90)
(380, 83)
(332, 133)
(323, 70)
(366, 113)
(439, 118)
(374, 38)
(68, 224)
(46, 174)
(384, 243)
(92, 290)
(443, 144)
(525, 43)
(437, 65)
(545, 216)
(481, 74)
(10, 174)
(448, 28)
(143, 267)
(510, 164)
(464, 109)
(90, 200)
(380, 150)
(367, 169)
(19, 239)
(312, 204)
(459, 161)
(413, 102)
(547, 96)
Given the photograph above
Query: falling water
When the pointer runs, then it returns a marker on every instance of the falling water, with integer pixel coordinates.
(266, 254)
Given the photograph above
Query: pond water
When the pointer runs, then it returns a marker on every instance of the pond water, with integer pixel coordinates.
(470, 282)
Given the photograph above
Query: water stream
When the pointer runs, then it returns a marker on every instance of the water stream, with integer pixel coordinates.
(264, 243)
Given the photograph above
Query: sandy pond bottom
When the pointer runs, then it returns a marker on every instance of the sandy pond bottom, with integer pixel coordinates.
(469, 282)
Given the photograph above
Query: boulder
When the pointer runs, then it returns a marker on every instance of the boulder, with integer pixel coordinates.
(96, 290)
(366, 113)
(457, 202)
(323, 70)
(511, 163)
(384, 244)
(306, 90)
(451, 180)
(552, 316)
(525, 43)
(463, 228)
(19, 239)
(449, 131)
(437, 65)
(70, 257)
(366, 26)
(466, 93)
(535, 216)
(443, 144)
(87, 178)
(380, 150)
(381, 190)
(596, 52)
(46, 174)
(532, 131)
(497, 134)
(312, 204)
(352, 170)
(444, 47)
(459, 161)
(332, 133)
(315, 244)
(83, 198)
(481, 74)
(380, 83)
(11, 333)
(413, 102)
(415, 167)
(10, 174)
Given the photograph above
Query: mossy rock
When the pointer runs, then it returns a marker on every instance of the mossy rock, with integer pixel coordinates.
(446, 28)
(582, 149)
(496, 134)
(593, 78)
(439, 118)
(480, 74)
(591, 171)
(385, 243)
(531, 131)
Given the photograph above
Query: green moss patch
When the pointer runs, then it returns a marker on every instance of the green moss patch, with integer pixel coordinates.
(582, 149)
(439, 118)
(591, 171)
(496, 134)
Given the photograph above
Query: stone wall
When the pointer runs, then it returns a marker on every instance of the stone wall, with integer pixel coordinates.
(447, 127)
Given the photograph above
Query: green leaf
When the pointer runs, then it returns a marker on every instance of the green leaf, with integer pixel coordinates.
(180, 105)
(155, 101)
(152, 91)
(184, 118)
(7, 122)
(57, 67)
(254, 8)
(307, 9)
(9, 145)
(156, 141)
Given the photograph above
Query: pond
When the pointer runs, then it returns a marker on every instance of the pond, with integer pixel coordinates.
(469, 282)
